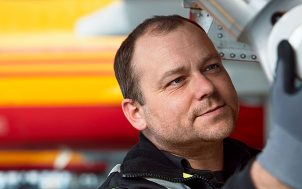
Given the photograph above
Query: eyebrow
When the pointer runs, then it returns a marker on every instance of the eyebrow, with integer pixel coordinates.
(210, 57)
(177, 70)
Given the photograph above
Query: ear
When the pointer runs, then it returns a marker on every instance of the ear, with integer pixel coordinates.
(134, 114)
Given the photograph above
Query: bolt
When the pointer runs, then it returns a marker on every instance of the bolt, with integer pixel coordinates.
(232, 55)
(243, 56)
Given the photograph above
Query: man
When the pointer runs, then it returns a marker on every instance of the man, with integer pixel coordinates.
(178, 94)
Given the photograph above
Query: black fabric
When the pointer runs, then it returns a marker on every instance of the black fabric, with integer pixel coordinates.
(241, 179)
(145, 160)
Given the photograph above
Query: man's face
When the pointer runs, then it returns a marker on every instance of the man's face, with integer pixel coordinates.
(188, 95)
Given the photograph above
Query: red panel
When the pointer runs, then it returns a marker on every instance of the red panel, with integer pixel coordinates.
(94, 127)
(104, 127)
(80, 168)
(250, 126)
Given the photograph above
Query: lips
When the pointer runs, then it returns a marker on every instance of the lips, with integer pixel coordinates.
(212, 109)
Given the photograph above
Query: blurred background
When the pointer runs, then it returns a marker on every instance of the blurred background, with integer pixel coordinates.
(61, 125)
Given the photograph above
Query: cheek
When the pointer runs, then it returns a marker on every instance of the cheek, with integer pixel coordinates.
(170, 109)
(228, 93)
(176, 104)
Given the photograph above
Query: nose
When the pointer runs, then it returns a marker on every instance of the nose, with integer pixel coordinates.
(202, 86)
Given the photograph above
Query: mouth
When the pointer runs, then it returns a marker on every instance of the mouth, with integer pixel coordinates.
(212, 110)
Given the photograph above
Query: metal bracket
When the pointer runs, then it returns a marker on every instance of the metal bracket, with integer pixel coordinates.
(228, 47)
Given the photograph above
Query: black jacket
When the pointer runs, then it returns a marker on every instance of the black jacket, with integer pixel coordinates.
(144, 160)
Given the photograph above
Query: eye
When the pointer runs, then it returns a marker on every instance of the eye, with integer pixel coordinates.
(213, 68)
(176, 81)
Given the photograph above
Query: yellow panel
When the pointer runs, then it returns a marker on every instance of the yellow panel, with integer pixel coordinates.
(57, 68)
(57, 39)
(55, 56)
(59, 91)
(27, 157)
(43, 15)
(61, 54)
(63, 46)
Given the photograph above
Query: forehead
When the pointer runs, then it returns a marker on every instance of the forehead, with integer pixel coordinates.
(187, 43)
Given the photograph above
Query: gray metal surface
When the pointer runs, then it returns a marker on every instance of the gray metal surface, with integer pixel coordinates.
(227, 46)
(235, 15)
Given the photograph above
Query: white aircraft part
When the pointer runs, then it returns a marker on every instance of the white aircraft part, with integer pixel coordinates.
(122, 16)
(288, 27)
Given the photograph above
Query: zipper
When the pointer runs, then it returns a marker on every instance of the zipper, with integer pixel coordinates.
(181, 180)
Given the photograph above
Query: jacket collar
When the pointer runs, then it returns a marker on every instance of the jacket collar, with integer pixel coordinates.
(145, 159)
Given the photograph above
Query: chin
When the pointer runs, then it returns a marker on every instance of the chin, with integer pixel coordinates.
(217, 131)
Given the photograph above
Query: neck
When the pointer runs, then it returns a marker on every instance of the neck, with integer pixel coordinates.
(207, 156)
(204, 156)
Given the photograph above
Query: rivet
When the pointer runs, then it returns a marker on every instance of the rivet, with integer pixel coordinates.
(232, 55)
(243, 56)
(219, 27)
(254, 57)
(221, 54)
(220, 35)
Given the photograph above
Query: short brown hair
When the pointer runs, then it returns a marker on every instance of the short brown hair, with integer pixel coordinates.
(124, 73)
